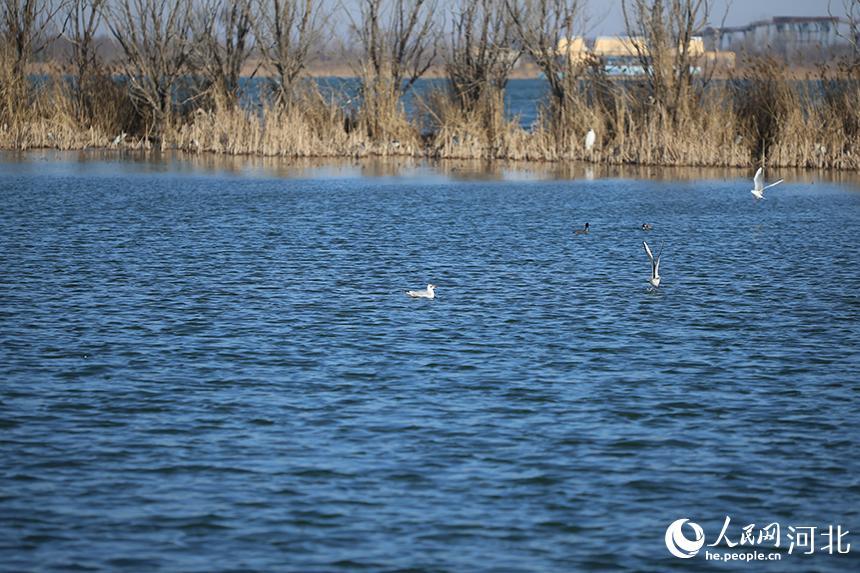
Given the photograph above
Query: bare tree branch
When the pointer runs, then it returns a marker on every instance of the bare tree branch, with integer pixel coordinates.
(396, 39)
(398, 47)
(539, 25)
(852, 19)
(155, 37)
(480, 55)
(26, 27)
(286, 31)
(82, 21)
(223, 41)
(662, 33)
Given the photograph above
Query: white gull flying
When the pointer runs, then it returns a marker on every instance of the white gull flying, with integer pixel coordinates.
(654, 281)
(758, 184)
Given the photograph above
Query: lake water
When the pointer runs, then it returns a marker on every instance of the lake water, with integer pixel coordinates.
(523, 96)
(212, 366)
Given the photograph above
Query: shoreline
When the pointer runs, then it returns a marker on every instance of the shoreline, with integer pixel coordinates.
(390, 152)
(399, 166)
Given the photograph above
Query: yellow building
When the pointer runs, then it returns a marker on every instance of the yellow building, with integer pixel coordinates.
(621, 54)
(575, 48)
(696, 47)
(619, 46)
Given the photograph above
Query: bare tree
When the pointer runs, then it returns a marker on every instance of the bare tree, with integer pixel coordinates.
(286, 30)
(83, 19)
(223, 40)
(838, 78)
(852, 20)
(26, 27)
(852, 14)
(398, 47)
(480, 56)
(539, 25)
(155, 37)
(396, 39)
(666, 50)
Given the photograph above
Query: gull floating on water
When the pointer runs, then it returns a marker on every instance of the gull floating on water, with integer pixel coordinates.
(589, 139)
(758, 184)
(429, 292)
(654, 281)
(583, 231)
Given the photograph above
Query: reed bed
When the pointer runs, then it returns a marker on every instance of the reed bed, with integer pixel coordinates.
(759, 116)
(53, 112)
(308, 127)
(480, 131)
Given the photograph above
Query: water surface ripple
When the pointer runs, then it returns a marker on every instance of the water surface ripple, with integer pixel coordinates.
(208, 372)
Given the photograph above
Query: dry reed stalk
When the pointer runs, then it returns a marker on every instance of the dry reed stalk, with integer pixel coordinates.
(477, 131)
(762, 116)
(381, 117)
(310, 126)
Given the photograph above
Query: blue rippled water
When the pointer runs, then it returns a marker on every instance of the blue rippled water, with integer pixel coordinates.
(201, 371)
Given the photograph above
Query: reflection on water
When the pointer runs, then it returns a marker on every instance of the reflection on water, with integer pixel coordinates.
(109, 161)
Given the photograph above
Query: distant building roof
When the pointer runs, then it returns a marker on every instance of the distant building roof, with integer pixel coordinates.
(614, 46)
(619, 45)
(621, 53)
(574, 47)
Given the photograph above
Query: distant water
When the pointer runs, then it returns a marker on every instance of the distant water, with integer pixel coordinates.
(201, 371)
(523, 97)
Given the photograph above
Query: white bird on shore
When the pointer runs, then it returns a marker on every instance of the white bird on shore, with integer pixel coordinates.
(758, 184)
(589, 139)
(654, 281)
(429, 292)
(119, 139)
